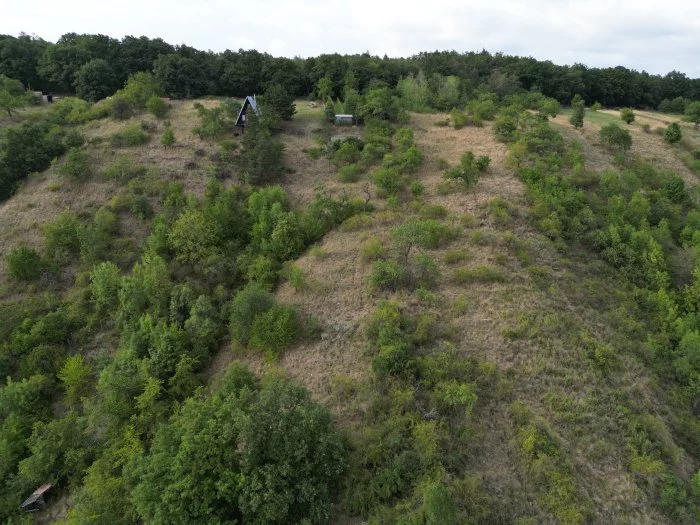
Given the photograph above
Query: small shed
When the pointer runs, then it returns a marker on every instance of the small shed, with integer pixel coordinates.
(35, 502)
(248, 103)
(343, 120)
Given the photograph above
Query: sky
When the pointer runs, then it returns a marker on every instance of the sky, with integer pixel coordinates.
(645, 35)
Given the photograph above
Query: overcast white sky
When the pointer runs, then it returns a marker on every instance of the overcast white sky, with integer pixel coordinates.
(657, 36)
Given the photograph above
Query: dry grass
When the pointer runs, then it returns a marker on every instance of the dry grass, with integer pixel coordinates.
(480, 318)
(309, 173)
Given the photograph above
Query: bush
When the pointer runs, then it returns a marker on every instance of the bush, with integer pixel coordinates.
(215, 122)
(372, 250)
(389, 180)
(75, 376)
(249, 302)
(673, 133)
(120, 108)
(24, 264)
(387, 275)
(157, 106)
(578, 107)
(168, 137)
(349, 173)
(424, 233)
(469, 169)
(25, 148)
(141, 207)
(459, 118)
(73, 139)
(62, 236)
(130, 136)
(411, 160)
(76, 166)
(104, 285)
(597, 106)
(261, 158)
(123, 170)
(627, 115)
(417, 189)
(614, 137)
(274, 330)
(506, 128)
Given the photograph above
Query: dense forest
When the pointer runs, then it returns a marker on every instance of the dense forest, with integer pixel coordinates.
(94, 66)
(460, 309)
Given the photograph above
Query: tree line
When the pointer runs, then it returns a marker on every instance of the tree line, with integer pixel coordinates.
(76, 61)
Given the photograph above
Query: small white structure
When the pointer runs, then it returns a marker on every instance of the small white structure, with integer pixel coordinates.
(345, 120)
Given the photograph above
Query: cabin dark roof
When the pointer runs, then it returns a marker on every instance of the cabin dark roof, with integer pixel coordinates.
(37, 495)
(248, 102)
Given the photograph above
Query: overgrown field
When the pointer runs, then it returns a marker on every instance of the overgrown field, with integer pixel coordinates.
(487, 316)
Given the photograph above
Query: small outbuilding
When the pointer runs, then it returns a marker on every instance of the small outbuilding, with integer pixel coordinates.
(35, 502)
(248, 103)
(343, 120)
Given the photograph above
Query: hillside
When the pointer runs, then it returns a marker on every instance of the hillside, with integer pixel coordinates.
(484, 354)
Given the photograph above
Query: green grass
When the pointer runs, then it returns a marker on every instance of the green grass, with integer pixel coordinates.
(483, 273)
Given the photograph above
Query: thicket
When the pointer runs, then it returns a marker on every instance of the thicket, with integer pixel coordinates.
(642, 222)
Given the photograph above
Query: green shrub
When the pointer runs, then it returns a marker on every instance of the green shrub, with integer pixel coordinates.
(249, 302)
(433, 211)
(468, 170)
(120, 108)
(104, 285)
(627, 115)
(506, 128)
(459, 118)
(455, 256)
(411, 160)
(597, 106)
(75, 376)
(347, 153)
(215, 122)
(141, 207)
(73, 139)
(62, 236)
(501, 210)
(673, 133)
(424, 233)
(157, 106)
(130, 136)
(106, 221)
(168, 137)
(481, 273)
(417, 189)
(427, 274)
(274, 330)
(614, 137)
(123, 170)
(389, 180)
(349, 173)
(24, 264)
(372, 250)
(296, 277)
(387, 275)
(76, 165)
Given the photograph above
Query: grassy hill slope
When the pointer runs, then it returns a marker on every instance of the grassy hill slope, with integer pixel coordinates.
(530, 394)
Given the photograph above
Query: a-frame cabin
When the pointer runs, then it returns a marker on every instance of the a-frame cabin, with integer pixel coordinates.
(249, 102)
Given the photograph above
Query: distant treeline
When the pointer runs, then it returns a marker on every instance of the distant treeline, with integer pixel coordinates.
(184, 71)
